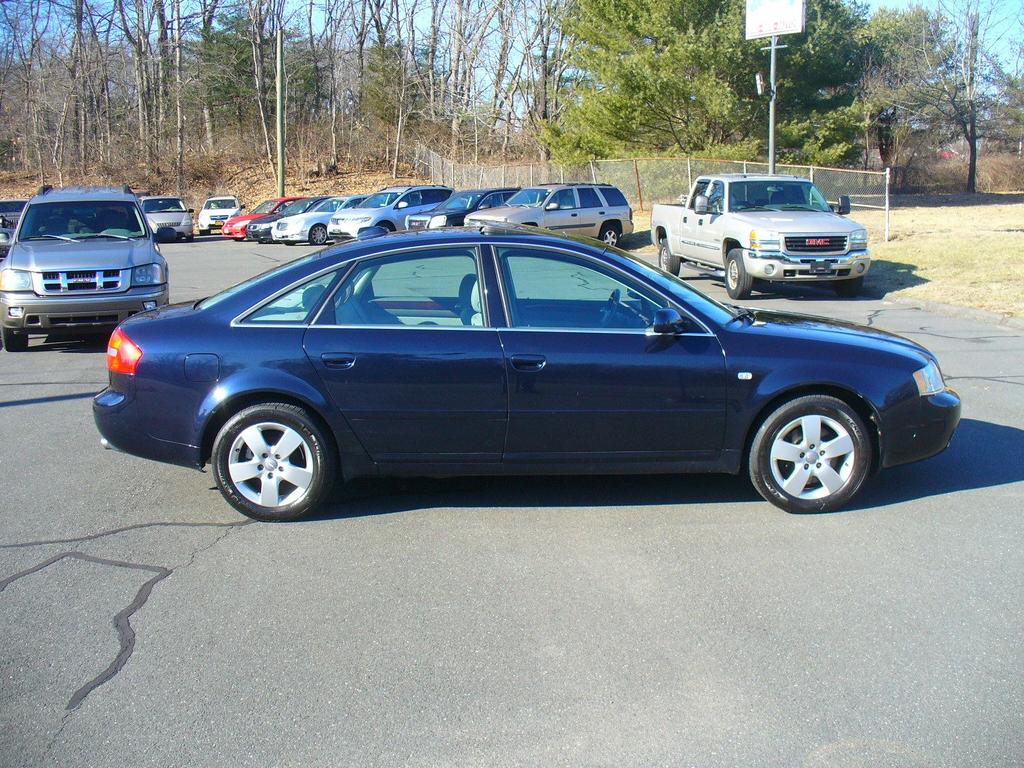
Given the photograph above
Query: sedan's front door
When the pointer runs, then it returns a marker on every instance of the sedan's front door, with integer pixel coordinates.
(587, 381)
(407, 355)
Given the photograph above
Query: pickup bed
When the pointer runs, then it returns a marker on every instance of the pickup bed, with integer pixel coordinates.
(762, 229)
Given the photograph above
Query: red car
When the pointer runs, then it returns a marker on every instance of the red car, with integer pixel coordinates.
(235, 226)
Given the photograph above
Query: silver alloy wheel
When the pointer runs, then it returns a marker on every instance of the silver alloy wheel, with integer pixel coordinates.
(733, 274)
(318, 235)
(611, 237)
(812, 457)
(271, 464)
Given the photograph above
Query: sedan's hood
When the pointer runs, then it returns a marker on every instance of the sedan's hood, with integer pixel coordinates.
(510, 213)
(245, 217)
(55, 255)
(798, 222)
(270, 218)
(824, 328)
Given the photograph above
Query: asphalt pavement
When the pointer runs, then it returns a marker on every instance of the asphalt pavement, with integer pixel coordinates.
(629, 621)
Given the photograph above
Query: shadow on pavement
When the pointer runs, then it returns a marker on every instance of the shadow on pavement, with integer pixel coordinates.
(980, 456)
(51, 399)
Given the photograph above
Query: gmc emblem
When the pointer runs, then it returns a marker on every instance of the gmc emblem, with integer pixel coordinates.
(818, 241)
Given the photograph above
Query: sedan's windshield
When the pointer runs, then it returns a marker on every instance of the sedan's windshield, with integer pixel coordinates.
(296, 206)
(529, 198)
(379, 200)
(354, 202)
(161, 204)
(329, 205)
(461, 201)
(220, 204)
(774, 195)
(265, 207)
(82, 219)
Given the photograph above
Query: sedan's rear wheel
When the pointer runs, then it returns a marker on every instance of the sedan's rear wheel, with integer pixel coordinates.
(273, 462)
(811, 454)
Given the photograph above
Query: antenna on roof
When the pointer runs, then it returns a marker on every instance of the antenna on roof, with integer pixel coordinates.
(127, 190)
(44, 189)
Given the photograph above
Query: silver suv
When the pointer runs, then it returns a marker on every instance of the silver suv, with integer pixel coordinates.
(82, 260)
(389, 209)
(594, 210)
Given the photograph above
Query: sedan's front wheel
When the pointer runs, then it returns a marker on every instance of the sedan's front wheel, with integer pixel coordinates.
(273, 462)
(811, 454)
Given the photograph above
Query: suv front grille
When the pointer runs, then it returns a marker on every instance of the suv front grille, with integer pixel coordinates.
(75, 281)
(816, 244)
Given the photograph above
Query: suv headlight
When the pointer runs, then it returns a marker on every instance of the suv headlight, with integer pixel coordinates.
(15, 280)
(764, 240)
(859, 237)
(148, 274)
(929, 380)
(437, 221)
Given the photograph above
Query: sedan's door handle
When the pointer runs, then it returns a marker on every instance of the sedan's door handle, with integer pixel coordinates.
(338, 360)
(528, 362)
(575, 215)
(685, 219)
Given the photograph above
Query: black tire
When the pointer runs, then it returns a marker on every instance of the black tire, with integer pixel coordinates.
(387, 225)
(666, 260)
(14, 341)
(779, 425)
(610, 233)
(204, 232)
(189, 238)
(317, 234)
(288, 242)
(318, 451)
(848, 288)
(738, 283)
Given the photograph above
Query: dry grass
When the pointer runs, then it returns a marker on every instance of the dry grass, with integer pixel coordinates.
(954, 249)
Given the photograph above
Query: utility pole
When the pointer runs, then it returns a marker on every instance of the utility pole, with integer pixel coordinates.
(280, 111)
(771, 104)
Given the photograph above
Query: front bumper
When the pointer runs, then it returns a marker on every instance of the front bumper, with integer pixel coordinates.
(214, 224)
(779, 266)
(53, 314)
(291, 237)
(919, 428)
(346, 230)
(261, 235)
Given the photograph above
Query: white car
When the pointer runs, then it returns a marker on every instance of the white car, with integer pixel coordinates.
(388, 209)
(311, 226)
(217, 210)
(168, 212)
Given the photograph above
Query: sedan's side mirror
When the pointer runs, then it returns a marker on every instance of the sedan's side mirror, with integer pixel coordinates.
(843, 208)
(242, 207)
(700, 205)
(551, 207)
(667, 320)
(166, 235)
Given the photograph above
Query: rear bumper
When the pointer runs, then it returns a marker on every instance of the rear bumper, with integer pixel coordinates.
(120, 424)
(919, 428)
(53, 314)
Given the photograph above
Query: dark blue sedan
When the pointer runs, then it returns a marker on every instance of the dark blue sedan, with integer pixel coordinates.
(509, 351)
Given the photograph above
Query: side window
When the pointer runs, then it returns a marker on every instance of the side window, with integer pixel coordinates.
(716, 198)
(435, 195)
(555, 290)
(296, 306)
(588, 198)
(565, 198)
(494, 200)
(410, 199)
(614, 197)
(438, 287)
(700, 188)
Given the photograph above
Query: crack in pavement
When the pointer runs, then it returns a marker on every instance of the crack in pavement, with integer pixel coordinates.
(923, 330)
(122, 619)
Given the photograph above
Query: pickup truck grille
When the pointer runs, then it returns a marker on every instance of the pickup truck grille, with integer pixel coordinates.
(77, 281)
(816, 244)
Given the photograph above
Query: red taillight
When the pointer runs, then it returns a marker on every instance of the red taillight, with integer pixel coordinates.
(123, 354)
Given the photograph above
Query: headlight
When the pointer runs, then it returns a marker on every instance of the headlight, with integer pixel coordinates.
(186, 220)
(929, 380)
(148, 274)
(437, 221)
(15, 280)
(859, 237)
(764, 240)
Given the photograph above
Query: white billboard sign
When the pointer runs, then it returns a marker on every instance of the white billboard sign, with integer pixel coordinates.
(774, 17)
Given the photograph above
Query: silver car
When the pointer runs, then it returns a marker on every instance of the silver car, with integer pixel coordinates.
(389, 209)
(594, 210)
(169, 212)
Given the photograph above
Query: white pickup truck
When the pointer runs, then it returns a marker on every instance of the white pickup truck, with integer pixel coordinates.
(758, 229)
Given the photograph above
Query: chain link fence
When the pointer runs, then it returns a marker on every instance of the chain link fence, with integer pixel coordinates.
(646, 181)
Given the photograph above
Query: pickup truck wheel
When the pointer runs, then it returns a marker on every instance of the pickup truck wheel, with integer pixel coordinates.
(609, 234)
(737, 282)
(811, 454)
(666, 260)
(848, 288)
(13, 341)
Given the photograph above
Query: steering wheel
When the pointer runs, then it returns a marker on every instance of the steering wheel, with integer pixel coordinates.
(615, 314)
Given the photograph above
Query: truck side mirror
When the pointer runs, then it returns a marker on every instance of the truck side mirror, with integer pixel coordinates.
(700, 205)
(843, 208)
